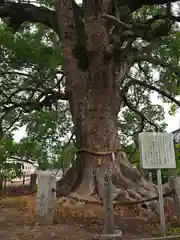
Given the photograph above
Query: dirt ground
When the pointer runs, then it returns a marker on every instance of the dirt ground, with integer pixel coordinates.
(17, 223)
(14, 226)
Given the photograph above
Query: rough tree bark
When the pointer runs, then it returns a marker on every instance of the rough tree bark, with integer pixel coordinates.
(96, 63)
(94, 96)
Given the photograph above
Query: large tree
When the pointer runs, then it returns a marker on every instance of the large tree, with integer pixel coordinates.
(114, 53)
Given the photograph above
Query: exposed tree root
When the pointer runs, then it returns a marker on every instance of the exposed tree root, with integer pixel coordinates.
(71, 179)
(128, 184)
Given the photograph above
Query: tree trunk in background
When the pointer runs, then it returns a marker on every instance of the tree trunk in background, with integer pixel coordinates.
(5, 186)
(33, 180)
(24, 178)
(1, 184)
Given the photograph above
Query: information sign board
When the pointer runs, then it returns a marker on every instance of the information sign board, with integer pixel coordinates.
(157, 150)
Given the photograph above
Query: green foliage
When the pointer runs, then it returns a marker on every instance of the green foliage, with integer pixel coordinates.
(167, 173)
(31, 61)
(65, 157)
(8, 169)
(177, 154)
(173, 109)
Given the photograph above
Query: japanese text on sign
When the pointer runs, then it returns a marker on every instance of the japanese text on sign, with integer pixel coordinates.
(157, 150)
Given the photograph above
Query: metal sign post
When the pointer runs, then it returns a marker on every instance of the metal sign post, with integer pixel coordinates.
(157, 152)
(161, 202)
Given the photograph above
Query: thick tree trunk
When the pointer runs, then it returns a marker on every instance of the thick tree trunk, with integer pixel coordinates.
(94, 116)
(92, 94)
(97, 126)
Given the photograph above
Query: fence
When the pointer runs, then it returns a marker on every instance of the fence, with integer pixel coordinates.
(19, 181)
(46, 199)
(19, 188)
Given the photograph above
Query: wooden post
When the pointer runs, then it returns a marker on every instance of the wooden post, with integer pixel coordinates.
(174, 184)
(46, 196)
(108, 206)
(23, 179)
(33, 179)
(5, 186)
(1, 184)
(161, 202)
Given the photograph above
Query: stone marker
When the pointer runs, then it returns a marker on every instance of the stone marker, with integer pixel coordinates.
(46, 197)
(108, 206)
(109, 225)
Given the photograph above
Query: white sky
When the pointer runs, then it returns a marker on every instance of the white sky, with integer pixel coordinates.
(172, 121)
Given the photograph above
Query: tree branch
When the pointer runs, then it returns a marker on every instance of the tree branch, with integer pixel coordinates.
(116, 21)
(146, 32)
(139, 113)
(141, 128)
(146, 85)
(160, 17)
(49, 98)
(154, 2)
(13, 94)
(15, 73)
(156, 61)
(25, 12)
(135, 5)
(20, 159)
(14, 121)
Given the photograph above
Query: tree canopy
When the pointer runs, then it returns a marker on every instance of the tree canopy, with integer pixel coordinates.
(32, 78)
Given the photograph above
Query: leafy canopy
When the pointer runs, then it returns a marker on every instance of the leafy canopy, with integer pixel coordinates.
(31, 71)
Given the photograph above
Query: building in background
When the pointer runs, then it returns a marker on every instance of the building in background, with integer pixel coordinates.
(28, 167)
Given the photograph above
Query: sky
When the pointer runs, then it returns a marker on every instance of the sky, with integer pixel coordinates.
(172, 121)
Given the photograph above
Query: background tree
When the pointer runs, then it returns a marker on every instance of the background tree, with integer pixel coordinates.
(103, 58)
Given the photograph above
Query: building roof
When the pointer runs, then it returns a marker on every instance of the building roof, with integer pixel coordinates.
(176, 135)
(176, 131)
(18, 160)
